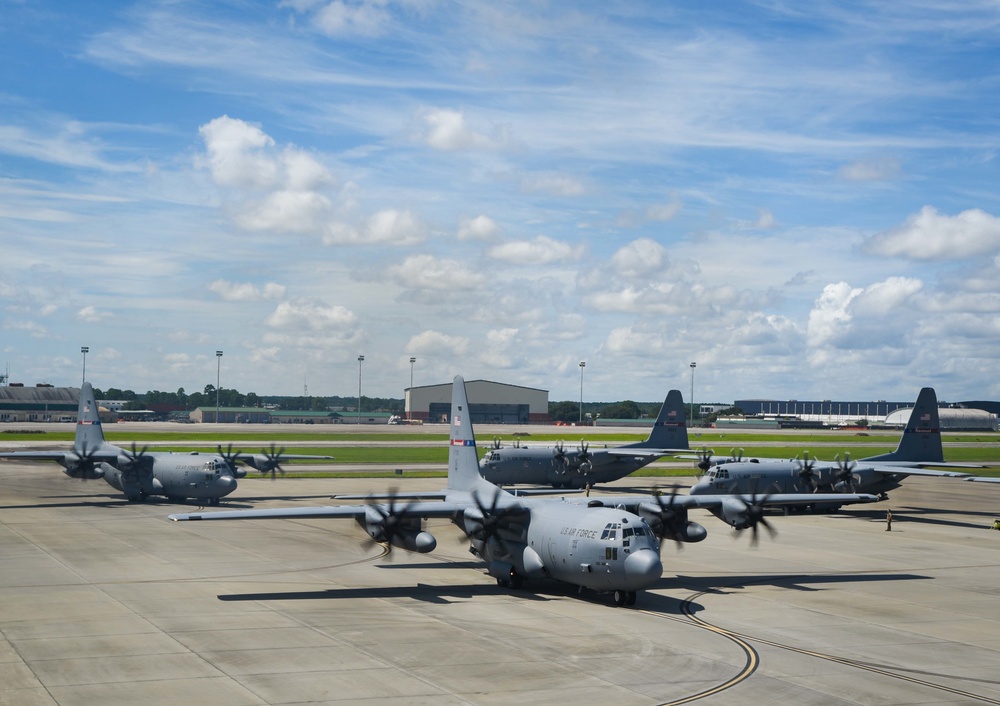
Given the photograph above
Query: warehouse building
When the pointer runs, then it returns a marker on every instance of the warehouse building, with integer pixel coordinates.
(952, 419)
(42, 403)
(489, 403)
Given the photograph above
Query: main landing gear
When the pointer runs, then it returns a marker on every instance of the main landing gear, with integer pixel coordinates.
(625, 599)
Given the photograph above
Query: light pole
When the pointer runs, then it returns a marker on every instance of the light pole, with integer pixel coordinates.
(412, 361)
(85, 350)
(583, 364)
(218, 377)
(691, 420)
(361, 359)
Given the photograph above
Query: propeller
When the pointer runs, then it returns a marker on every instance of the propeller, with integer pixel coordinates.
(496, 442)
(845, 470)
(84, 463)
(671, 517)
(755, 514)
(583, 457)
(489, 524)
(273, 462)
(736, 455)
(391, 519)
(806, 471)
(559, 458)
(229, 456)
(705, 459)
(135, 460)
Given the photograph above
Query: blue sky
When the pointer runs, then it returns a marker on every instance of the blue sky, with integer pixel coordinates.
(804, 201)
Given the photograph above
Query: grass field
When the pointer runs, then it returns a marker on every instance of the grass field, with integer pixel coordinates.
(402, 448)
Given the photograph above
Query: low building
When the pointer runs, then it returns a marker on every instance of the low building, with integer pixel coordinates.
(42, 403)
(489, 403)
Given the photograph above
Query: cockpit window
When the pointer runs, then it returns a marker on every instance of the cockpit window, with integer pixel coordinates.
(611, 531)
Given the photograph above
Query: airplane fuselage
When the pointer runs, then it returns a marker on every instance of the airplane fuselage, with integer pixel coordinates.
(778, 477)
(602, 549)
(523, 466)
(176, 476)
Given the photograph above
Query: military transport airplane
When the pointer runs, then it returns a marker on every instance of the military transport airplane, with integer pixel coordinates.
(608, 544)
(919, 446)
(564, 468)
(139, 474)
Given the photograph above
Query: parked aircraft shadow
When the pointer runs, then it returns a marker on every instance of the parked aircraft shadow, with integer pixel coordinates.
(114, 500)
(420, 592)
(722, 584)
(904, 514)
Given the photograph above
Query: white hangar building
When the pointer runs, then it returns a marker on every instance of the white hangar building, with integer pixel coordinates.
(952, 419)
(489, 403)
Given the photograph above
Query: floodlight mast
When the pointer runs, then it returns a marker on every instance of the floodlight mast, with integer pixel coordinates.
(361, 359)
(218, 378)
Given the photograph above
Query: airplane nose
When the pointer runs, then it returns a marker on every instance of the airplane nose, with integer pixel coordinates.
(226, 483)
(643, 568)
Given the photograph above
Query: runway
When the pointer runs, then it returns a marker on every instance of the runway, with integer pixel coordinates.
(103, 601)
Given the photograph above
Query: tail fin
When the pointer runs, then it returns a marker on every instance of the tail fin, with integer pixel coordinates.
(670, 429)
(463, 459)
(921, 440)
(89, 434)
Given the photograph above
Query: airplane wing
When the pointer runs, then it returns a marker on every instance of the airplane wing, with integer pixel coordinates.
(983, 479)
(625, 451)
(442, 494)
(710, 502)
(34, 455)
(446, 509)
(263, 458)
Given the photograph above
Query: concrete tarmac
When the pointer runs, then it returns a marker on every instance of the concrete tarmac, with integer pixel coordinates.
(107, 602)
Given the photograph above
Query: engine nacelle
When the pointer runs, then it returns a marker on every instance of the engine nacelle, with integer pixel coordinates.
(85, 472)
(414, 540)
(689, 532)
(734, 512)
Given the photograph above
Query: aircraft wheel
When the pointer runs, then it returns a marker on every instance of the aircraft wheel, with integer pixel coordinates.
(516, 581)
(213, 501)
(630, 598)
(621, 598)
(503, 583)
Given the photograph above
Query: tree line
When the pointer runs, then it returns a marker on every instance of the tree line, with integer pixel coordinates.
(185, 401)
(181, 400)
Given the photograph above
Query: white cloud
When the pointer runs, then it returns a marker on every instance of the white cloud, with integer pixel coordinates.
(765, 220)
(246, 291)
(311, 315)
(32, 328)
(886, 298)
(237, 154)
(878, 169)
(831, 314)
(395, 227)
(540, 251)
(365, 18)
(640, 258)
(426, 272)
(448, 130)
(91, 314)
(664, 211)
(929, 235)
(437, 344)
(478, 228)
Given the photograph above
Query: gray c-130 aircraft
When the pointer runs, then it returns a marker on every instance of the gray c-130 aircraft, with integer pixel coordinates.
(575, 468)
(919, 446)
(609, 545)
(139, 473)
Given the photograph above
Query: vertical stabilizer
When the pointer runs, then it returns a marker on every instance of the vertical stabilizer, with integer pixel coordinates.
(670, 429)
(463, 459)
(89, 435)
(921, 440)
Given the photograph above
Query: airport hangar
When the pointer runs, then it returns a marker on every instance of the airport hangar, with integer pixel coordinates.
(489, 403)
